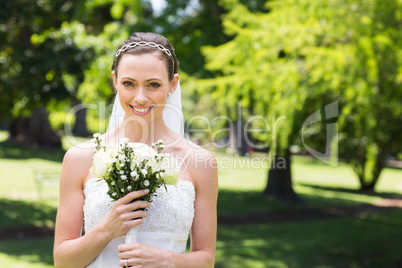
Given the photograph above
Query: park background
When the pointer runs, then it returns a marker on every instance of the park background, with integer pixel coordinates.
(334, 201)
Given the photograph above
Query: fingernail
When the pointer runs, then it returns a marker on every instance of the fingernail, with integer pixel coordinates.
(146, 190)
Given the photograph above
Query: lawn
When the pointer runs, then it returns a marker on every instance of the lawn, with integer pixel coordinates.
(357, 240)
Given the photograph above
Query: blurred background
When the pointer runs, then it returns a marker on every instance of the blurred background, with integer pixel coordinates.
(300, 101)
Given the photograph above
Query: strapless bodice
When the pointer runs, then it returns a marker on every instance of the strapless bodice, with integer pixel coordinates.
(167, 226)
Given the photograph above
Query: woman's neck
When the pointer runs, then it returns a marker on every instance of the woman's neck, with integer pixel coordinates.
(143, 132)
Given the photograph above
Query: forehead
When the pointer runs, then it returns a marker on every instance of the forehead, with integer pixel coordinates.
(149, 64)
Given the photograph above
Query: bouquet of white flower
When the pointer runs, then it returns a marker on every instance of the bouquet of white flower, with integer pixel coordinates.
(132, 167)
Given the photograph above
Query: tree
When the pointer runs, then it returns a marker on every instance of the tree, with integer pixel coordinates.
(304, 55)
(371, 120)
(34, 63)
(191, 25)
(51, 49)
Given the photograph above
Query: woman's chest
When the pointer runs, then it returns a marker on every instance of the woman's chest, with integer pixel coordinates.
(171, 209)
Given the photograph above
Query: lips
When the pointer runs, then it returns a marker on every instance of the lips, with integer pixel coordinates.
(141, 110)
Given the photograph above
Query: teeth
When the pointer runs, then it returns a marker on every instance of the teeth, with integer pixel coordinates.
(141, 110)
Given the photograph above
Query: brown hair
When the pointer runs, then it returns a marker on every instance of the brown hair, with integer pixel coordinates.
(171, 64)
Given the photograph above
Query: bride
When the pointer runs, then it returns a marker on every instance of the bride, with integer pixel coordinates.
(145, 75)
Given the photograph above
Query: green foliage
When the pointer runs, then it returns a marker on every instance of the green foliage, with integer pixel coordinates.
(61, 50)
(37, 56)
(190, 25)
(304, 55)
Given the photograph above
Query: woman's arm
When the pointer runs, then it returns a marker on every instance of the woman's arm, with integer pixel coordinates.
(70, 249)
(203, 233)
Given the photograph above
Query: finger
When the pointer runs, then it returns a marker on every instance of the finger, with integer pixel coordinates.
(132, 223)
(125, 255)
(135, 215)
(127, 247)
(130, 207)
(124, 209)
(131, 196)
(130, 262)
(139, 204)
(124, 263)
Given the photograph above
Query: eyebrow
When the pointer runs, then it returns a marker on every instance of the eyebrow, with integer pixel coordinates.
(145, 80)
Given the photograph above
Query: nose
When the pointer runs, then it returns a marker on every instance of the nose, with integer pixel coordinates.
(141, 97)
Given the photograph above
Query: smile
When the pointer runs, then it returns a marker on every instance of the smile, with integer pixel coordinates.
(141, 111)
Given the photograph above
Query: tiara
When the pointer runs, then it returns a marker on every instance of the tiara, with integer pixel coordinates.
(143, 43)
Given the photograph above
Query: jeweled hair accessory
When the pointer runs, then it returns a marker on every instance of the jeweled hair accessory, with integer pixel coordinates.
(143, 43)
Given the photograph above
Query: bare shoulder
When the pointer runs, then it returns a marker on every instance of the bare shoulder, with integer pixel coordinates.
(80, 152)
(77, 161)
(201, 163)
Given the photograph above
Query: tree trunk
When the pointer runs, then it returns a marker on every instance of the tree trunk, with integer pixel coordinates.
(80, 125)
(279, 184)
(34, 131)
(238, 142)
(237, 138)
(5, 125)
(367, 185)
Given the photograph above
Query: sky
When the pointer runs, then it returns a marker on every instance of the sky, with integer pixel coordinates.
(158, 5)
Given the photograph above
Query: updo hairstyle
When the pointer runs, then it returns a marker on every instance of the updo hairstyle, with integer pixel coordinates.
(145, 43)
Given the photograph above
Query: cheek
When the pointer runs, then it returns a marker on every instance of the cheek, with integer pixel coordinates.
(162, 97)
(124, 95)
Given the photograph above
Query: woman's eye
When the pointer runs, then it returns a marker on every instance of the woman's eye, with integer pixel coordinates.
(154, 85)
(128, 83)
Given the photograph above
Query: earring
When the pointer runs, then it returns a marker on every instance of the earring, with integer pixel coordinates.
(169, 93)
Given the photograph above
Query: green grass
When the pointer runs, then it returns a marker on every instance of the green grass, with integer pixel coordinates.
(363, 241)
(26, 253)
(372, 241)
(19, 165)
(13, 213)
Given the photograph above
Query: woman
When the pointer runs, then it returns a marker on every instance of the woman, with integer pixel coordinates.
(145, 75)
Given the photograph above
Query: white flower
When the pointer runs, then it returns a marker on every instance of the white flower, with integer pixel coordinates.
(124, 140)
(112, 183)
(112, 160)
(172, 169)
(161, 174)
(123, 177)
(157, 175)
(114, 194)
(122, 165)
(135, 178)
(146, 183)
(122, 190)
(101, 163)
(144, 172)
(134, 174)
(96, 135)
(142, 149)
(121, 172)
(129, 188)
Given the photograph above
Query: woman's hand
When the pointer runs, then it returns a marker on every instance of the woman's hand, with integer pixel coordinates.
(143, 255)
(125, 215)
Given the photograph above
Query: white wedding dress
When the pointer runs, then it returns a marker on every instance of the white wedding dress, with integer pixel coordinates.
(167, 226)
